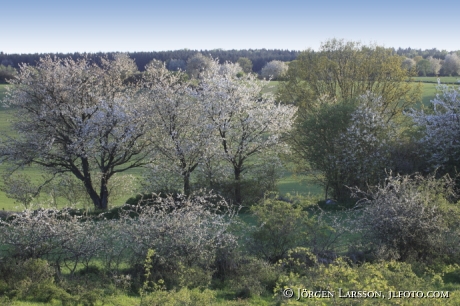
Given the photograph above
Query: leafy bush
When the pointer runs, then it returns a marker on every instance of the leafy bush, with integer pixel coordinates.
(298, 260)
(30, 279)
(280, 226)
(347, 142)
(381, 277)
(298, 222)
(184, 296)
(252, 277)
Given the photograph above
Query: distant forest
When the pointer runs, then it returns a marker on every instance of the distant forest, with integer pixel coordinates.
(411, 53)
(259, 57)
(426, 62)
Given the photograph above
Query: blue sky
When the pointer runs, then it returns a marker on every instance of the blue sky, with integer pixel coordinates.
(93, 26)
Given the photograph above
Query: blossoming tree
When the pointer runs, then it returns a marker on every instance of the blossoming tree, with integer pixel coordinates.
(80, 118)
(247, 122)
(441, 128)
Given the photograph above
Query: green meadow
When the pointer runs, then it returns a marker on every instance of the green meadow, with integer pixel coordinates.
(443, 80)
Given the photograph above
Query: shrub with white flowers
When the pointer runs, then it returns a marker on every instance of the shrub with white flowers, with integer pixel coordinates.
(365, 150)
(347, 144)
(187, 234)
(410, 218)
(441, 128)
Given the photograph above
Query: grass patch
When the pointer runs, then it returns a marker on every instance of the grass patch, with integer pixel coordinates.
(429, 92)
(444, 80)
(2, 91)
(299, 185)
(116, 300)
(272, 87)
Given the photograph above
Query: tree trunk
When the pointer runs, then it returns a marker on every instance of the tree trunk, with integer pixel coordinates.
(104, 195)
(186, 176)
(91, 192)
(86, 178)
(238, 197)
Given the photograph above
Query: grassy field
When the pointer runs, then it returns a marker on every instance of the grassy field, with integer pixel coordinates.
(444, 80)
(429, 85)
(429, 93)
(2, 90)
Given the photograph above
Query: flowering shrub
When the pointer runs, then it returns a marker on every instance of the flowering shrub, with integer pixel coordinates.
(441, 129)
(410, 218)
(347, 143)
(186, 234)
(365, 149)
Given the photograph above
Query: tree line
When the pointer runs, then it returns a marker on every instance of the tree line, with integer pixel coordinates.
(258, 57)
(426, 62)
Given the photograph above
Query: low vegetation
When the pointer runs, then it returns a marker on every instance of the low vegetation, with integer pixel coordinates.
(196, 249)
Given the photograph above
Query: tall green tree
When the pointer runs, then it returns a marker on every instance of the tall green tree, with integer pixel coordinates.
(348, 95)
(246, 64)
(424, 67)
(344, 70)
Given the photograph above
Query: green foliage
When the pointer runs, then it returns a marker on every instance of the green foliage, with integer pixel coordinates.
(423, 67)
(298, 222)
(182, 297)
(154, 292)
(280, 226)
(32, 279)
(344, 70)
(245, 64)
(150, 285)
(314, 143)
(6, 73)
(350, 97)
(252, 277)
(181, 276)
(381, 277)
(298, 260)
(349, 143)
